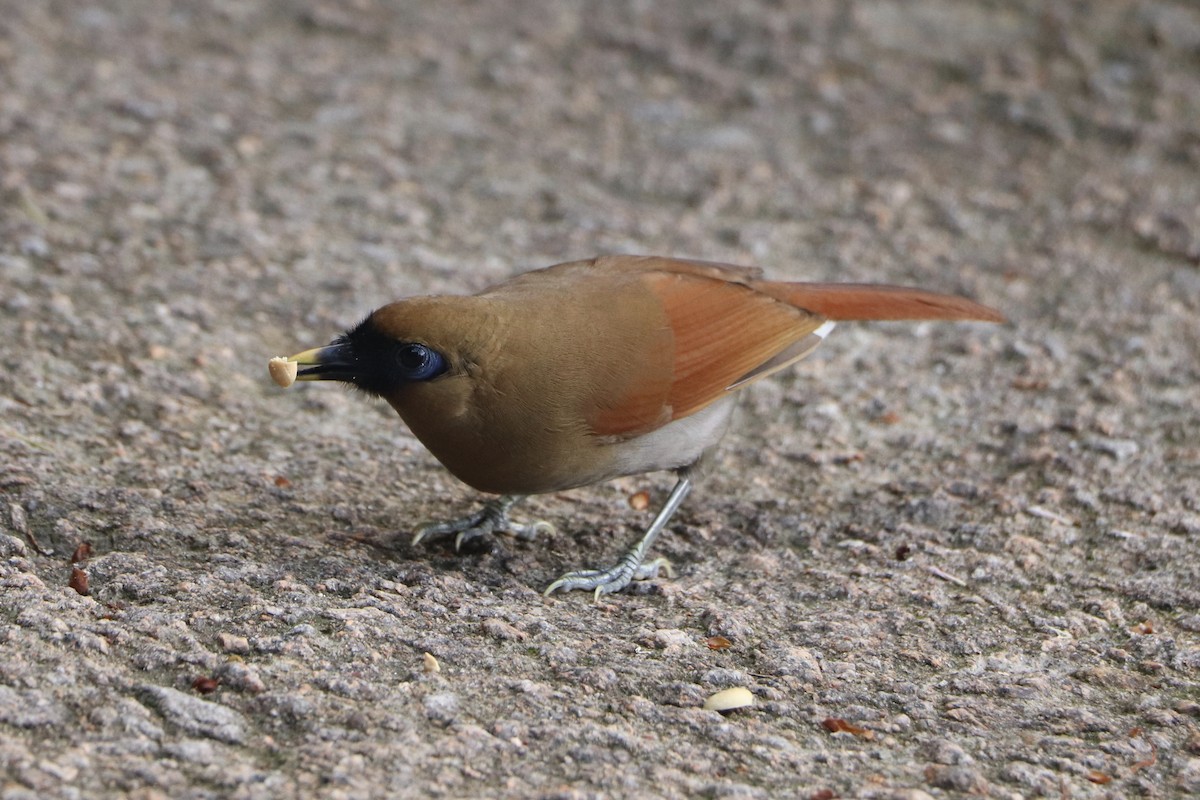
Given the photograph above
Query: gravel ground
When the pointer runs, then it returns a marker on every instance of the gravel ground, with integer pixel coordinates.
(975, 546)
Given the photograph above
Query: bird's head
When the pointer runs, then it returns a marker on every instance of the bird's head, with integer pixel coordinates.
(421, 345)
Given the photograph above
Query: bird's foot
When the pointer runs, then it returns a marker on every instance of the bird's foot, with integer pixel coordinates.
(633, 565)
(492, 518)
(615, 578)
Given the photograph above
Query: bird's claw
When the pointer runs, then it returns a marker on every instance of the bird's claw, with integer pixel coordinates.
(528, 532)
(492, 518)
(531, 531)
(613, 579)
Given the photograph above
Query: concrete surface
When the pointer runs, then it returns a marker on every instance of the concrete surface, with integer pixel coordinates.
(976, 545)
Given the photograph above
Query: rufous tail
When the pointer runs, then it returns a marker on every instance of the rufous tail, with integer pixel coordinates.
(863, 301)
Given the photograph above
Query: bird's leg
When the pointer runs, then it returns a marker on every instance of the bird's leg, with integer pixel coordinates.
(631, 566)
(492, 518)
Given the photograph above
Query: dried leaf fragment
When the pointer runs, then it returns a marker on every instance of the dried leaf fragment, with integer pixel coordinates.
(283, 372)
(838, 725)
(205, 684)
(82, 553)
(1137, 766)
(79, 581)
(729, 699)
(500, 629)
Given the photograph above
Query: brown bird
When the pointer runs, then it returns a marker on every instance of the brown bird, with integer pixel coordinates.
(591, 370)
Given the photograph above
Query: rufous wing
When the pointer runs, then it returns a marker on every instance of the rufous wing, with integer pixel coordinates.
(720, 334)
(701, 330)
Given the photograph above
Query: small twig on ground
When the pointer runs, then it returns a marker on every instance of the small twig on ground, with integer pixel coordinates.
(946, 576)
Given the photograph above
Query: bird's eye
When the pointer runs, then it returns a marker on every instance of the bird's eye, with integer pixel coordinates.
(419, 363)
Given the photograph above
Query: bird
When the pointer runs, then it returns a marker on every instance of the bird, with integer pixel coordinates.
(591, 370)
